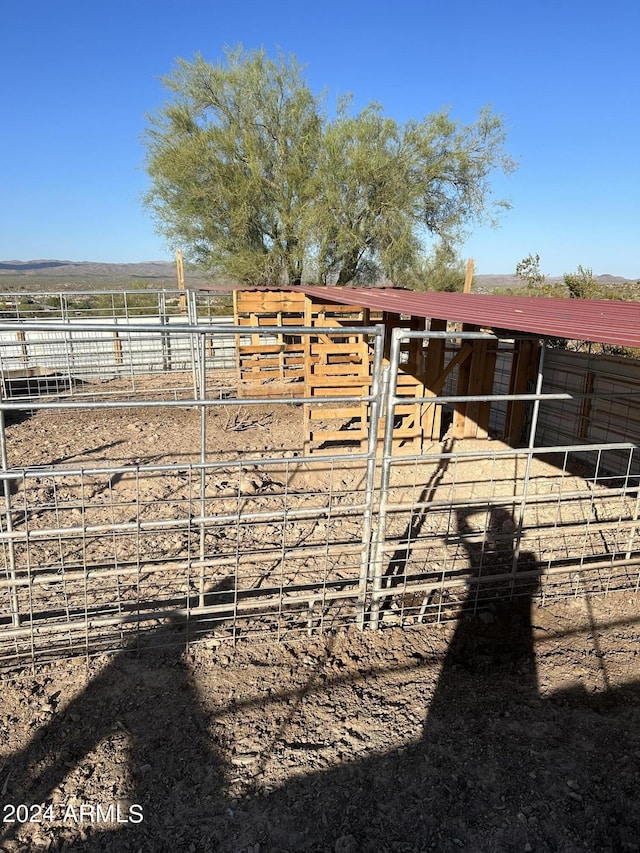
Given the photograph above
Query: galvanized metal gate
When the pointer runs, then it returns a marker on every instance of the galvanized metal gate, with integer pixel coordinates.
(176, 537)
(469, 522)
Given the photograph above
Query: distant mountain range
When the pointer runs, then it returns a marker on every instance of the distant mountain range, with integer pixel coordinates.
(84, 269)
(156, 271)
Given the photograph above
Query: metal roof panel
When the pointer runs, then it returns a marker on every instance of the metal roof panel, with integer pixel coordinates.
(599, 320)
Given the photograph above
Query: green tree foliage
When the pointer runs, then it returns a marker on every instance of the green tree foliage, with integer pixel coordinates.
(360, 213)
(232, 159)
(528, 270)
(582, 284)
(441, 271)
(252, 179)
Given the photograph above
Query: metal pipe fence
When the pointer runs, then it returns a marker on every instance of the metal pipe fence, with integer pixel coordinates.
(140, 511)
(462, 527)
(43, 345)
(173, 509)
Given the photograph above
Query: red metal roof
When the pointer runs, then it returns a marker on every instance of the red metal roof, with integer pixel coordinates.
(599, 320)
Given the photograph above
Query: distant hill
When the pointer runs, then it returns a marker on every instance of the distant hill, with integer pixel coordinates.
(51, 274)
(85, 269)
(488, 283)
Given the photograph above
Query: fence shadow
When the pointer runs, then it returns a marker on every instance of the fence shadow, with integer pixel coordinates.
(496, 766)
(138, 695)
(396, 572)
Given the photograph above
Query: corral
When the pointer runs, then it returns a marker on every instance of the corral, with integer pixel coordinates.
(157, 493)
(315, 463)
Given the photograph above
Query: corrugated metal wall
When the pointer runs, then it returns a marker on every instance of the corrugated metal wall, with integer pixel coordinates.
(613, 414)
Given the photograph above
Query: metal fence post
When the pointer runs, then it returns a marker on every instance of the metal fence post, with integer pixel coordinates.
(375, 412)
(203, 459)
(389, 396)
(517, 544)
(6, 485)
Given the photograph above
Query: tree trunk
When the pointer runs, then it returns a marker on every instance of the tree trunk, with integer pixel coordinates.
(293, 262)
(349, 268)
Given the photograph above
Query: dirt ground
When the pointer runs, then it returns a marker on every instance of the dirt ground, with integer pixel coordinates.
(516, 728)
(510, 731)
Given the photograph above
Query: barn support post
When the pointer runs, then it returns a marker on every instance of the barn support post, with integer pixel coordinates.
(476, 374)
(477, 367)
(459, 426)
(481, 381)
(586, 405)
(434, 366)
(522, 368)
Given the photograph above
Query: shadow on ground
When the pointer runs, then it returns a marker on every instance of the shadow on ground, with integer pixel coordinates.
(496, 766)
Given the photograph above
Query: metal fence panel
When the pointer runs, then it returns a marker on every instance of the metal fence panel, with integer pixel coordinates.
(470, 522)
(183, 524)
(152, 505)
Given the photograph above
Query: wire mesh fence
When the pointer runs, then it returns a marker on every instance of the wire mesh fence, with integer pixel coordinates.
(474, 521)
(68, 342)
(126, 510)
(155, 506)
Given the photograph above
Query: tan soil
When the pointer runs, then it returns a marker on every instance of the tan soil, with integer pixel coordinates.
(516, 729)
(402, 740)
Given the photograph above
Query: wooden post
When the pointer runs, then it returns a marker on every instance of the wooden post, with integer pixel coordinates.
(117, 348)
(490, 358)
(20, 336)
(474, 388)
(432, 415)
(481, 378)
(522, 370)
(468, 279)
(585, 407)
(180, 270)
(464, 371)
(308, 376)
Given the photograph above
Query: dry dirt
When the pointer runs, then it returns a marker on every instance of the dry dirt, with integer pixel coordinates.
(515, 729)
(503, 733)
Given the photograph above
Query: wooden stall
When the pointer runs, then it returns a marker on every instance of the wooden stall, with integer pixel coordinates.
(280, 364)
(272, 366)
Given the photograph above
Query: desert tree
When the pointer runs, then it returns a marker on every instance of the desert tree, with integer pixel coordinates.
(387, 190)
(232, 160)
(361, 213)
(441, 270)
(582, 284)
(250, 176)
(528, 271)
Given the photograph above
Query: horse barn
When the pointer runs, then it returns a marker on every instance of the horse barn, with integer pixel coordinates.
(327, 456)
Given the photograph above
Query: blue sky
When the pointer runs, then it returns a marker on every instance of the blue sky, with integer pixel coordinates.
(79, 78)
